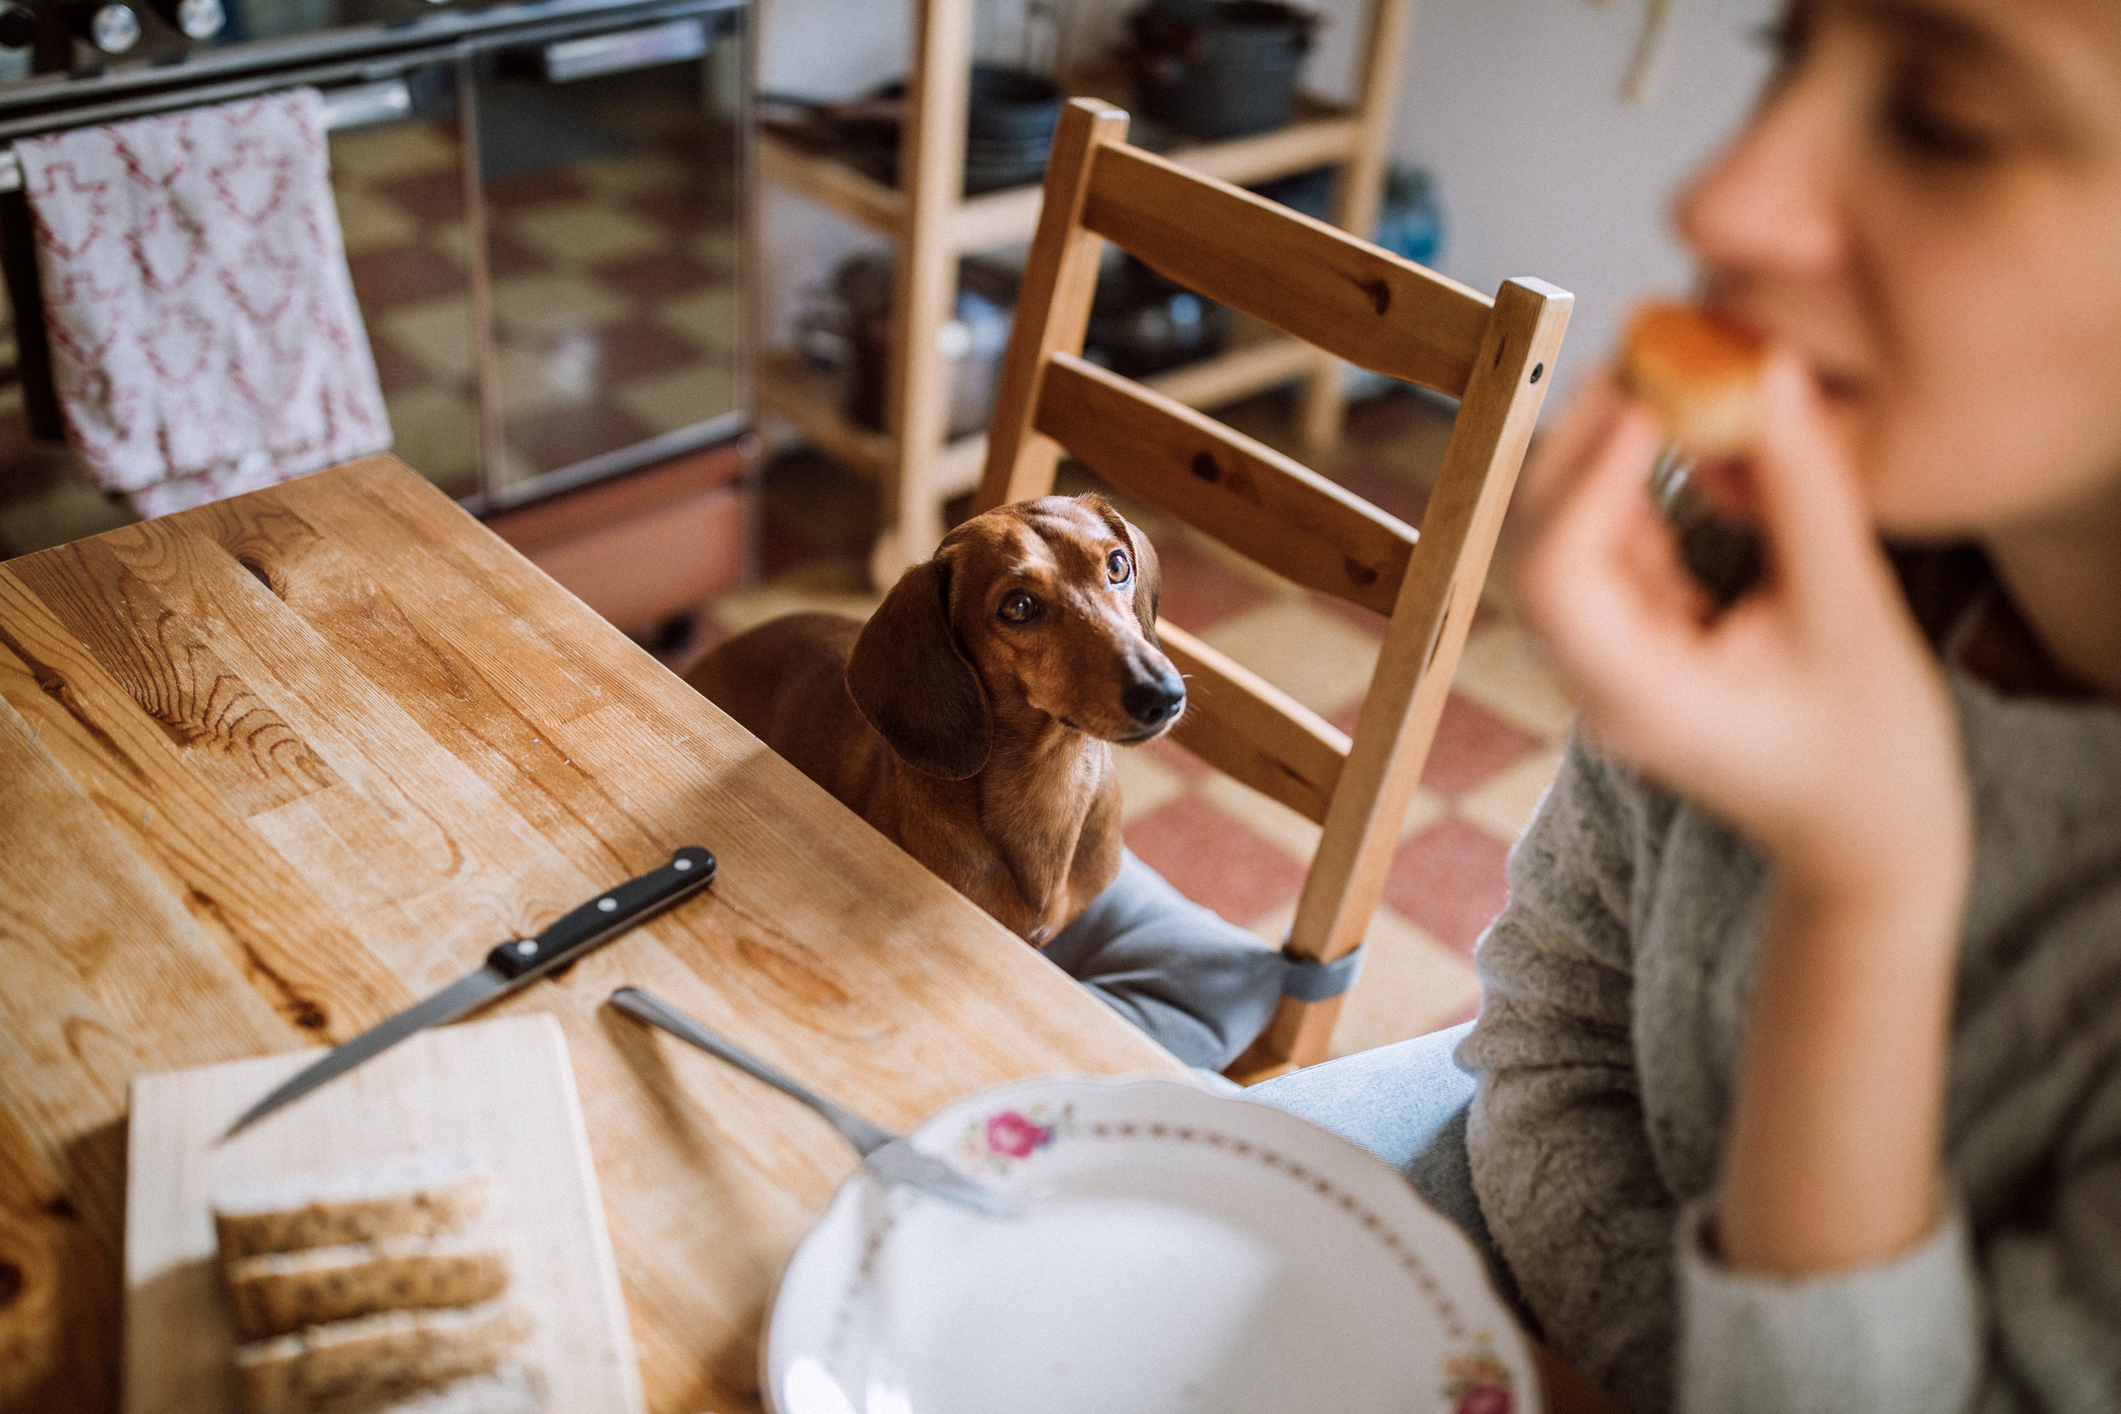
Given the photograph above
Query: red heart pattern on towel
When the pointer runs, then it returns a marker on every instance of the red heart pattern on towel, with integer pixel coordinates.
(72, 213)
(205, 339)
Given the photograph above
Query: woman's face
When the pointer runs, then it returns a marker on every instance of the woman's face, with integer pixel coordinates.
(1927, 203)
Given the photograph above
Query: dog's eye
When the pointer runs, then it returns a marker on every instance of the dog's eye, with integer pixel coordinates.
(1020, 608)
(1116, 567)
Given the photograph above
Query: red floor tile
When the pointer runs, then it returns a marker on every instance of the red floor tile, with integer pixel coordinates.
(637, 347)
(1171, 755)
(394, 371)
(505, 255)
(403, 274)
(659, 274)
(541, 188)
(1471, 745)
(1394, 415)
(1387, 489)
(1200, 590)
(1450, 881)
(562, 436)
(1215, 861)
(782, 547)
(681, 210)
(432, 197)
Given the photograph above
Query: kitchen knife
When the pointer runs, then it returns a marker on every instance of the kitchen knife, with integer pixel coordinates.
(887, 1156)
(512, 965)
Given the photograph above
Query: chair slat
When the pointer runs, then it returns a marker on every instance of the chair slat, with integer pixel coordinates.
(1253, 499)
(1302, 276)
(1246, 727)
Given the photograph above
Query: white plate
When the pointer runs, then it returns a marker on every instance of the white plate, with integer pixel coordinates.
(1185, 1252)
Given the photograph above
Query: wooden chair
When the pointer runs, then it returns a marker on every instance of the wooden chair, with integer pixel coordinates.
(1362, 304)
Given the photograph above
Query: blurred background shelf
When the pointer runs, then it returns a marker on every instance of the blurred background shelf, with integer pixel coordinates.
(917, 465)
(1321, 135)
(811, 400)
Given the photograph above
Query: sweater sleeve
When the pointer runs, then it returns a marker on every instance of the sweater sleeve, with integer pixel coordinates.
(1561, 1158)
(2027, 1321)
(1901, 1336)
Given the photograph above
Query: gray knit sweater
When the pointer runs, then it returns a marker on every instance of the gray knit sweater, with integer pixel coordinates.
(1606, 1051)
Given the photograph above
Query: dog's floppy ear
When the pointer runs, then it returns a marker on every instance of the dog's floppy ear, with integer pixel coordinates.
(912, 683)
(1148, 570)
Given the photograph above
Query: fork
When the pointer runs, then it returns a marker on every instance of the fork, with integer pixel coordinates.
(885, 1154)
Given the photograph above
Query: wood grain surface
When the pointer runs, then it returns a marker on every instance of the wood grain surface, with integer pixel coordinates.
(277, 766)
(501, 1091)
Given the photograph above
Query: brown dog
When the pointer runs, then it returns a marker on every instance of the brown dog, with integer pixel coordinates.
(969, 718)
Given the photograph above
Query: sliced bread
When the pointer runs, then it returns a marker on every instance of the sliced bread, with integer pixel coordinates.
(285, 1291)
(419, 1195)
(371, 1361)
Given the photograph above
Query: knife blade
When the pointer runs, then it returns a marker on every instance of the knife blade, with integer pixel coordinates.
(510, 966)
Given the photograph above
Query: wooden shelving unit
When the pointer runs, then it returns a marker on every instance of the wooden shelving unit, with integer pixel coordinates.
(934, 226)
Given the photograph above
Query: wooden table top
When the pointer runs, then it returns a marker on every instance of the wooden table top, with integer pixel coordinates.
(278, 766)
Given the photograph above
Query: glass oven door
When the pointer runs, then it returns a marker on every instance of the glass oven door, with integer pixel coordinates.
(610, 168)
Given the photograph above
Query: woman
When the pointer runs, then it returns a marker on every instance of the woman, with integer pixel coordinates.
(1799, 1065)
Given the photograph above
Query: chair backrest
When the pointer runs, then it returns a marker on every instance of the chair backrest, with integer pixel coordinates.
(1360, 303)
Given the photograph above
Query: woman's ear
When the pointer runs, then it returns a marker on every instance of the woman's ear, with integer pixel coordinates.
(911, 682)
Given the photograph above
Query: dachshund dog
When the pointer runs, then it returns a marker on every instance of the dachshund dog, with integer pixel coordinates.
(969, 718)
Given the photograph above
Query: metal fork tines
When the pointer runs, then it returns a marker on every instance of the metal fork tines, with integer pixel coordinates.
(885, 1154)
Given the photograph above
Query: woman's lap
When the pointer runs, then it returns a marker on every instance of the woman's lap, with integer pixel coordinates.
(1407, 1104)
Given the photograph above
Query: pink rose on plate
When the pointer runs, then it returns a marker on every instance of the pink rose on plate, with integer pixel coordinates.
(1484, 1399)
(1011, 1134)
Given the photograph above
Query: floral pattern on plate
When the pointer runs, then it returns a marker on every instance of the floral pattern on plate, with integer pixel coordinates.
(1477, 1382)
(1002, 1139)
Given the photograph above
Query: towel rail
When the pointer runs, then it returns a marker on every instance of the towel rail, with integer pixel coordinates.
(358, 106)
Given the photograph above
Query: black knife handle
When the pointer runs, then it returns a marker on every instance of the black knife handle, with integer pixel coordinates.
(605, 916)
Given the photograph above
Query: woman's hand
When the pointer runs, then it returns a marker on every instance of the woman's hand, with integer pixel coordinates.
(1810, 715)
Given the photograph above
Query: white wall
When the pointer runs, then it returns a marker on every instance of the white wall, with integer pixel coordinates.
(1543, 170)
(1514, 104)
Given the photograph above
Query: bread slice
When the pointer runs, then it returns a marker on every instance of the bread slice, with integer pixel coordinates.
(1702, 374)
(285, 1291)
(371, 1361)
(418, 1195)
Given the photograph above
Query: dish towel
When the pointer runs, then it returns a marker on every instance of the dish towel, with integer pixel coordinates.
(204, 336)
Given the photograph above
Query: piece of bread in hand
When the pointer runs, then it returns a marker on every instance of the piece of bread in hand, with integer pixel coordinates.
(372, 1361)
(1701, 373)
(420, 1195)
(278, 1292)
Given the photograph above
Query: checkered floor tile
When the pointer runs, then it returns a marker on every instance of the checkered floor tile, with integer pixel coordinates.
(1220, 842)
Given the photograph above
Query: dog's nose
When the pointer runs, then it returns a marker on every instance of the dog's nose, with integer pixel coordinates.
(1152, 701)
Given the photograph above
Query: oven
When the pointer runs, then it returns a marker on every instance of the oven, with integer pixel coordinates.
(542, 207)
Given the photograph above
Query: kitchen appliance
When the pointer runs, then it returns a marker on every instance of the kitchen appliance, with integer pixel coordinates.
(542, 205)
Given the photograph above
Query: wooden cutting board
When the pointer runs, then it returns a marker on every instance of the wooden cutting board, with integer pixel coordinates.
(504, 1088)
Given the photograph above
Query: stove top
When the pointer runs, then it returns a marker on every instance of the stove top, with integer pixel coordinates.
(59, 53)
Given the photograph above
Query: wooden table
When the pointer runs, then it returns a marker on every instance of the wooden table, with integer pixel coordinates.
(278, 766)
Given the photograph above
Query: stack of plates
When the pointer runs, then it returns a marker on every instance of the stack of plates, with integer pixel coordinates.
(1184, 1252)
